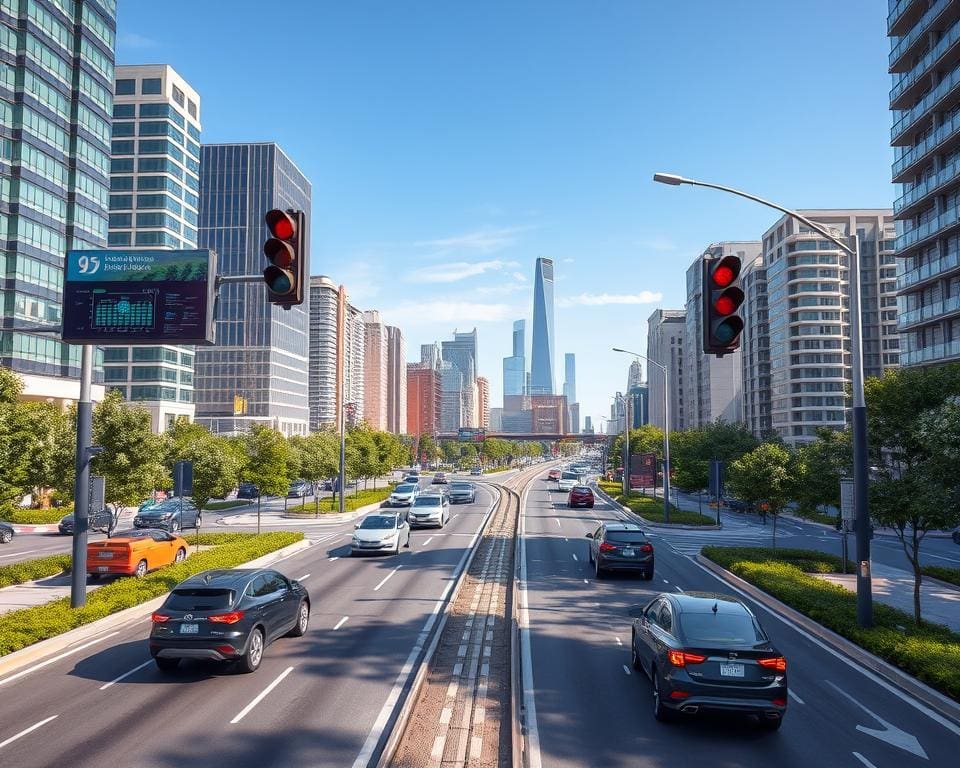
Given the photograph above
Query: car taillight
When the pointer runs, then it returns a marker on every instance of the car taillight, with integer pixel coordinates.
(226, 650)
(159, 618)
(606, 546)
(779, 702)
(682, 658)
(646, 547)
(678, 694)
(778, 663)
(227, 618)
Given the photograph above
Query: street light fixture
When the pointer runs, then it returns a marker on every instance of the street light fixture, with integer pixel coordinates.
(860, 475)
(666, 428)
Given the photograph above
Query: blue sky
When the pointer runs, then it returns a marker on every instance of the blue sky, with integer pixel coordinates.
(451, 143)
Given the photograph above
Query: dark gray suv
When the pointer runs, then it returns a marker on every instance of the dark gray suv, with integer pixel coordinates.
(620, 547)
(172, 515)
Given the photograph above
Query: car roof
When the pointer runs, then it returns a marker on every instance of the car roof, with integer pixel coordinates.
(703, 602)
(623, 527)
(223, 578)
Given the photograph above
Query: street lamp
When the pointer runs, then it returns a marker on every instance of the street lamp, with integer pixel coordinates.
(666, 428)
(860, 476)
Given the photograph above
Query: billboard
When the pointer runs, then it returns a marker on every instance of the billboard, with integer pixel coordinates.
(139, 297)
(643, 470)
(471, 435)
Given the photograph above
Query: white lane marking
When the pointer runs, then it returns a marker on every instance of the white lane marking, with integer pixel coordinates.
(25, 552)
(125, 675)
(334, 558)
(427, 541)
(889, 732)
(261, 696)
(56, 658)
(619, 642)
(304, 577)
(341, 623)
(557, 521)
(25, 731)
(526, 654)
(574, 556)
(864, 760)
(665, 581)
(387, 578)
(796, 698)
(678, 588)
(585, 581)
(626, 669)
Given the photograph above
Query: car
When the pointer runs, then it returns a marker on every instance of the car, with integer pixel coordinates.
(227, 615)
(476, 471)
(6, 533)
(706, 651)
(462, 492)
(553, 474)
(299, 489)
(248, 491)
(737, 505)
(174, 515)
(956, 535)
(102, 520)
(414, 479)
(134, 553)
(380, 533)
(430, 509)
(403, 495)
(567, 480)
(580, 496)
(440, 479)
(620, 547)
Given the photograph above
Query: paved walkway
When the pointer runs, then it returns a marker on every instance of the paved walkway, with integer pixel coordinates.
(38, 592)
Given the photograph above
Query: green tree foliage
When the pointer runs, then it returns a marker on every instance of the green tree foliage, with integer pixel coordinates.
(361, 454)
(691, 451)
(317, 457)
(214, 462)
(762, 477)
(268, 461)
(818, 466)
(427, 450)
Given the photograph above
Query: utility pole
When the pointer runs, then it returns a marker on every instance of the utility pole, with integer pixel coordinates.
(81, 487)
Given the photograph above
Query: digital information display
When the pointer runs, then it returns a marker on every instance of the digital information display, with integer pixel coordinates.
(139, 297)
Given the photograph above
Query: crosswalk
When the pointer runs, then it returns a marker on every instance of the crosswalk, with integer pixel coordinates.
(735, 533)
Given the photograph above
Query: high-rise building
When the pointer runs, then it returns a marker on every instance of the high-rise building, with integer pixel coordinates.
(570, 382)
(574, 419)
(713, 385)
(375, 386)
(155, 178)
(924, 59)
(496, 420)
(514, 367)
(337, 338)
(483, 403)
(396, 381)
(666, 331)
(639, 405)
(549, 414)
(451, 398)
(541, 357)
(462, 352)
(635, 375)
(423, 400)
(755, 348)
(587, 425)
(261, 354)
(56, 104)
(809, 331)
(430, 355)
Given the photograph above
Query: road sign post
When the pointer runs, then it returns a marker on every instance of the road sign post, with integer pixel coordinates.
(847, 515)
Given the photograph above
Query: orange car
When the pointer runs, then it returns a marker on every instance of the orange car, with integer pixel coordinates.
(553, 474)
(134, 553)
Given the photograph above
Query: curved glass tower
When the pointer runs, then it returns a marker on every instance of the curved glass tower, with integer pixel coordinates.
(541, 366)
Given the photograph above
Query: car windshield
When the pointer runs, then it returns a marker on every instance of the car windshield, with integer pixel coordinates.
(199, 599)
(581, 489)
(427, 501)
(405, 488)
(460, 487)
(569, 476)
(626, 537)
(720, 629)
(379, 522)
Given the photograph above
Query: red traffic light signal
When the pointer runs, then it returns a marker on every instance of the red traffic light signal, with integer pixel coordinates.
(722, 298)
(286, 251)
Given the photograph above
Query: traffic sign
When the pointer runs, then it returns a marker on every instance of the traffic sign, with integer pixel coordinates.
(846, 499)
(115, 298)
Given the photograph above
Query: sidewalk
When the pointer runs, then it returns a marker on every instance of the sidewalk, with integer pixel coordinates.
(38, 592)
(939, 602)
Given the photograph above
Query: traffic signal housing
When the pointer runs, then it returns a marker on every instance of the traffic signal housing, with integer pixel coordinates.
(722, 299)
(286, 273)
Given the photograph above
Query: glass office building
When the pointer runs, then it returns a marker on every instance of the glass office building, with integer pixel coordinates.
(541, 358)
(56, 102)
(257, 372)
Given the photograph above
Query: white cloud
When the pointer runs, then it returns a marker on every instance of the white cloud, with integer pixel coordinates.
(481, 240)
(658, 243)
(457, 270)
(361, 279)
(568, 260)
(499, 290)
(445, 313)
(604, 299)
(134, 40)
(519, 277)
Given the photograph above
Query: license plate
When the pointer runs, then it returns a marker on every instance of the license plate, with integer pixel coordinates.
(103, 568)
(192, 629)
(731, 670)
(627, 552)
(105, 555)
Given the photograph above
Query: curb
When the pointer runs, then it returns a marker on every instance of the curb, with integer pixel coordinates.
(45, 528)
(938, 702)
(665, 526)
(88, 632)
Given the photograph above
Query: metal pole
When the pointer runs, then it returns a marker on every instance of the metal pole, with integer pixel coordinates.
(861, 510)
(625, 450)
(666, 443)
(81, 487)
(343, 457)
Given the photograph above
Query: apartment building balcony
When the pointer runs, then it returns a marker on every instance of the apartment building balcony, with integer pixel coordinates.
(938, 310)
(941, 98)
(908, 85)
(944, 139)
(933, 270)
(917, 196)
(929, 229)
(908, 43)
(902, 14)
(933, 353)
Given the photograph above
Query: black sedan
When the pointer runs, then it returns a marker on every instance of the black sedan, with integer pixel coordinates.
(462, 493)
(621, 547)
(6, 533)
(172, 515)
(102, 520)
(299, 489)
(705, 651)
(228, 615)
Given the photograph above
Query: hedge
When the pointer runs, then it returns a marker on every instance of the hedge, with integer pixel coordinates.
(37, 568)
(930, 652)
(651, 509)
(35, 516)
(359, 499)
(19, 629)
(216, 505)
(950, 575)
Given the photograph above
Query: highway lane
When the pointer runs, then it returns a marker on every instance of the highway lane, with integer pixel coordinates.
(329, 686)
(592, 709)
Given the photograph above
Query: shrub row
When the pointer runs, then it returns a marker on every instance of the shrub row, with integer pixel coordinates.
(807, 560)
(34, 516)
(951, 575)
(651, 509)
(19, 629)
(360, 499)
(215, 505)
(930, 652)
(37, 568)
(816, 517)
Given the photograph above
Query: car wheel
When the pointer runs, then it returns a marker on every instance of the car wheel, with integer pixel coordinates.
(660, 712)
(6, 537)
(166, 665)
(141, 570)
(771, 724)
(590, 505)
(634, 656)
(175, 526)
(250, 661)
(199, 521)
(303, 620)
(181, 554)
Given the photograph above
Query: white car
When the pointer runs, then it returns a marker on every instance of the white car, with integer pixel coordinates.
(430, 509)
(568, 479)
(403, 495)
(380, 533)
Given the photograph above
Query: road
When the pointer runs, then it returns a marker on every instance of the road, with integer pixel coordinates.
(330, 685)
(592, 709)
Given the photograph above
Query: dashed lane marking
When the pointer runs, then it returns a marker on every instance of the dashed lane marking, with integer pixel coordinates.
(340, 623)
(25, 731)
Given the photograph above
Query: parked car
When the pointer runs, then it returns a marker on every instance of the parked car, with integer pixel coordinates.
(248, 491)
(299, 489)
(6, 533)
(103, 520)
(228, 615)
(621, 547)
(440, 478)
(403, 495)
(380, 533)
(462, 492)
(567, 480)
(737, 505)
(553, 474)
(134, 553)
(412, 479)
(174, 515)
(705, 651)
(476, 471)
(580, 496)
(430, 509)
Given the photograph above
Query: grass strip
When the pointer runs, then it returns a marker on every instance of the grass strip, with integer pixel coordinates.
(36, 568)
(651, 509)
(360, 499)
(949, 575)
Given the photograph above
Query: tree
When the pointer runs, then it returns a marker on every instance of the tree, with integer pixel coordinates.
(215, 464)
(818, 467)
(763, 477)
(317, 457)
(362, 457)
(268, 462)
(691, 451)
(427, 450)
(451, 451)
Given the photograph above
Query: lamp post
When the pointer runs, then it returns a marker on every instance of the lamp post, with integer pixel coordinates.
(666, 428)
(860, 476)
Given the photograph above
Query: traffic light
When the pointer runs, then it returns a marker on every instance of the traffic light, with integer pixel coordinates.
(286, 251)
(722, 298)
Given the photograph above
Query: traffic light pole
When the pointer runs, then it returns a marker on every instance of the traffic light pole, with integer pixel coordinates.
(81, 488)
(860, 467)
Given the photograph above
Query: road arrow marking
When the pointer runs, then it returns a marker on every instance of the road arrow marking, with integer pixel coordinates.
(889, 733)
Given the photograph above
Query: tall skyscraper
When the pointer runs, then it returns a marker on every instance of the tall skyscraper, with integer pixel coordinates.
(430, 355)
(375, 385)
(587, 425)
(575, 418)
(666, 329)
(462, 352)
(262, 350)
(336, 353)
(155, 175)
(635, 375)
(923, 58)
(514, 367)
(423, 400)
(56, 104)
(451, 398)
(541, 365)
(396, 381)
(570, 377)
(483, 403)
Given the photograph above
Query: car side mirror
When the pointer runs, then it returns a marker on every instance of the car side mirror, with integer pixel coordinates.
(589, 535)
(356, 526)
